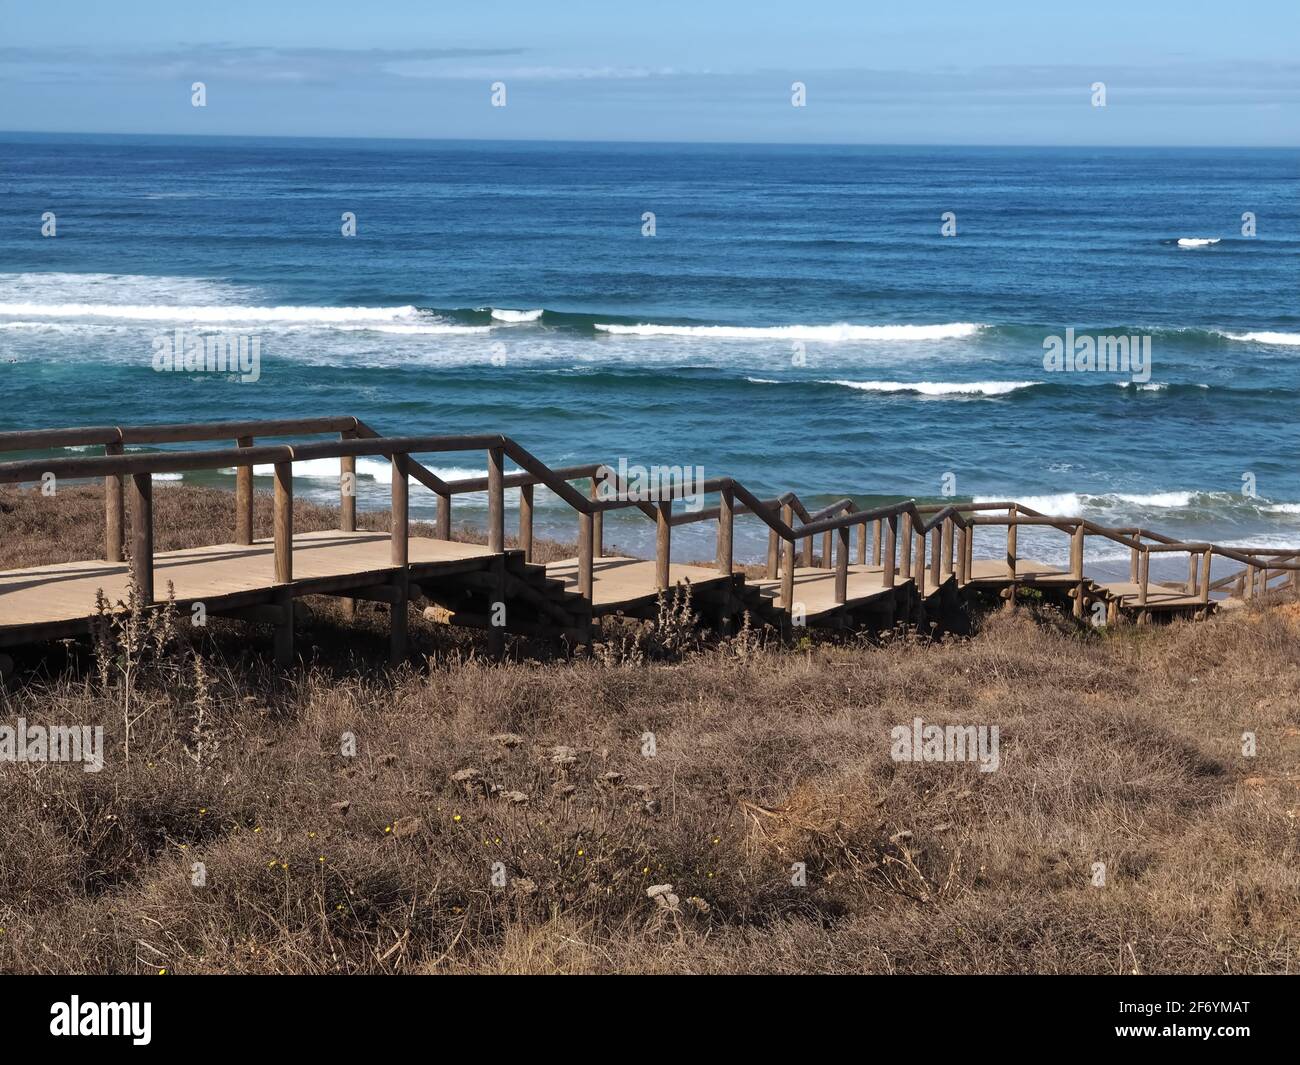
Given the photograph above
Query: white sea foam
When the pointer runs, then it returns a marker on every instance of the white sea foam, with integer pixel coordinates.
(1284, 339)
(504, 314)
(761, 381)
(826, 333)
(1063, 504)
(214, 314)
(938, 388)
(372, 468)
(1197, 242)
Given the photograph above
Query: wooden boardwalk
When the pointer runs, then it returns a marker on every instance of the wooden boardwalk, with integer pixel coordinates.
(901, 563)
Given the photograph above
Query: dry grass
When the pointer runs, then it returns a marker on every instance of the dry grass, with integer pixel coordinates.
(1123, 749)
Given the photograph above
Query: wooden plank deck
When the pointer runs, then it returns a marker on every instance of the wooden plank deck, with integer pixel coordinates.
(1159, 597)
(815, 589)
(1028, 571)
(621, 583)
(62, 596)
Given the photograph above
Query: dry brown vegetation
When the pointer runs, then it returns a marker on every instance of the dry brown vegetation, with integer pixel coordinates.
(1123, 748)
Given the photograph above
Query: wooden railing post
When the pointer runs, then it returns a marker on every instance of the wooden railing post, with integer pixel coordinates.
(1133, 557)
(891, 537)
(586, 556)
(142, 534)
(1076, 567)
(663, 544)
(726, 524)
(1207, 557)
(1011, 542)
(443, 519)
(920, 562)
(806, 552)
(1250, 580)
(936, 553)
(496, 499)
(963, 534)
(946, 548)
(114, 511)
(1192, 564)
(399, 553)
(787, 560)
(526, 521)
(1144, 575)
(401, 528)
(773, 555)
(862, 543)
(827, 549)
(876, 545)
(283, 592)
(842, 566)
(244, 498)
(597, 526)
(348, 487)
(905, 547)
(283, 522)
(1012, 538)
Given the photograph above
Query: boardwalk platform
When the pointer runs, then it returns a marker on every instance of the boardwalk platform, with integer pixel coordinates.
(48, 602)
(503, 591)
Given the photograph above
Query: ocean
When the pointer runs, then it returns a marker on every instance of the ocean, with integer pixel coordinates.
(795, 317)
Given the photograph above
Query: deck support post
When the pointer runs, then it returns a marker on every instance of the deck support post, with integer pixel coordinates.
(663, 544)
(496, 500)
(142, 534)
(526, 521)
(891, 535)
(282, 594)
(114, 510)
(1076, 568)
(1192, 565)
(726, 524)
(806, 549)
(842, 567)
(876, 545)
(244, 498)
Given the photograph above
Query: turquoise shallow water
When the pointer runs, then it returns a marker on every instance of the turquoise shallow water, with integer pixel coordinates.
(797, 320)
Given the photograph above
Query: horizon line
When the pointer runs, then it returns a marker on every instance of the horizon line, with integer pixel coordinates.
(683, 143)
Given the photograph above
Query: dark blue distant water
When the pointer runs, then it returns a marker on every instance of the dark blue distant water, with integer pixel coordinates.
(798, 320)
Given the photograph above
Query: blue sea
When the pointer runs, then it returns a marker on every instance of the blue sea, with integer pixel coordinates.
(793, 316)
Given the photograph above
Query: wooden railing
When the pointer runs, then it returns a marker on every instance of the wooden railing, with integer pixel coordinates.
(898, 531)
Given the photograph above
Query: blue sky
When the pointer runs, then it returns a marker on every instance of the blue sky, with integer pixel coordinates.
(898, 72)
